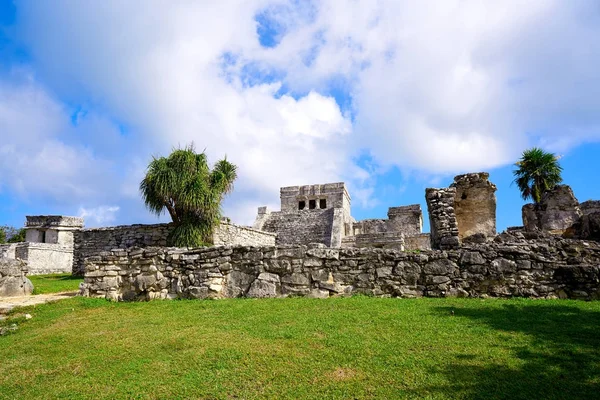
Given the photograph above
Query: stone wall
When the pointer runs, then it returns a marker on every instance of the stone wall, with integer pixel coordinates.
(406, 219)
(508, 266)
(417, 242)
(235, 235)
(301, 227)
(475, 205)
(8, 250)
(381, 240)
(91, 242)
(442, 219)
(46, 258)
(13, 280)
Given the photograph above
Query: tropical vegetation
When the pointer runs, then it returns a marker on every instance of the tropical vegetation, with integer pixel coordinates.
(10, 234)
(184, 185)
(538, 171)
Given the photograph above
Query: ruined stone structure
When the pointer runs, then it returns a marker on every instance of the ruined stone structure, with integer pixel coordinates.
(508, 266)
(589, 225)
(442, 218)
(465, 211)
(322, 214)
(96, 241)
(58, 244)
(13, 280)
(475, 205)
(49, 244)
(559, 213)
(309, 214)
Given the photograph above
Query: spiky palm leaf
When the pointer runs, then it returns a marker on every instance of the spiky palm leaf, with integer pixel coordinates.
(184, 185)
(538, 172)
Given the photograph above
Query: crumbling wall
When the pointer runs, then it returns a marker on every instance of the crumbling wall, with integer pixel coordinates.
(92, 242)
(509, 266)
(557, 213)
(406, 219)
(442, 219)
(475, 205)
(589, 226)
(13, 280)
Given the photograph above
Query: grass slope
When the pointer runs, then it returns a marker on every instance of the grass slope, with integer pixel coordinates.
(54, 283)
(305, 348)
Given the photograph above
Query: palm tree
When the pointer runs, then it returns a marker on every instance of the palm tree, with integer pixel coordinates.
(184, 186)
(538, 172)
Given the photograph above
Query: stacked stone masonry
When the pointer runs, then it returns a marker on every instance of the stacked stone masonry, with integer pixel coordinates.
(509, 266)
(301, 227)
(92, 242)
(442, 219)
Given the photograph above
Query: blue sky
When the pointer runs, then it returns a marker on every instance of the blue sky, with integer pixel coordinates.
(391, 97)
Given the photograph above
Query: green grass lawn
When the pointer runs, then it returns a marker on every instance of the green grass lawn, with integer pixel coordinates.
(342, 348)
(54, 283)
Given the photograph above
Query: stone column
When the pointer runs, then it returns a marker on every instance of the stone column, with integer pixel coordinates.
(475, 206)
(442, 219)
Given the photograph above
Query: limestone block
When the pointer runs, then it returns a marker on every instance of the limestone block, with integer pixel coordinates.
(475, 205)
(557, 213)
(237, 283)
(265, 288)
(13, 281)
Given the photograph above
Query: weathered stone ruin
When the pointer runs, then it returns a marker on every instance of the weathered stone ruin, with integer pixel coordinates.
(442, 218)
(314, 247)
(589, 226)
(560, 213)
(49, 244)
(322, 214)
(13, 279)
(465, 211)
(507, 266)
(557, 212)
(475, 206)
(309, 214)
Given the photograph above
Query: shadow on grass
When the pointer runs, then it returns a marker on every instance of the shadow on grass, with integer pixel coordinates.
(562, 360)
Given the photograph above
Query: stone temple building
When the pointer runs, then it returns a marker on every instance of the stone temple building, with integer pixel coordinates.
(322, 214)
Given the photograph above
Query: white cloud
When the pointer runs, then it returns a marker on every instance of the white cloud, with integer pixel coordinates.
(99, 216)
(436, 86)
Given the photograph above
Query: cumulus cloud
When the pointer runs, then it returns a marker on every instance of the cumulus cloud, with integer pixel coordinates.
(99, 216)
(435, 86)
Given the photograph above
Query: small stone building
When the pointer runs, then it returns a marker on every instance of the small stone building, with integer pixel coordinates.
(49, 243)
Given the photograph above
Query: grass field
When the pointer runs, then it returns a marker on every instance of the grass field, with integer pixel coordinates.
(54, 283)
(342, 348)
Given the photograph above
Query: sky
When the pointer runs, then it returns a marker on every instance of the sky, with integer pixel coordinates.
(390, 97)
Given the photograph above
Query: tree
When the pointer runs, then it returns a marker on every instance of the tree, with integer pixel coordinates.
(10, 234)
(184, 186)
(17, 236)
(538, 172)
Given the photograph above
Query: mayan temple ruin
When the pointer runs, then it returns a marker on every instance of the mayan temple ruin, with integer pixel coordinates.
(314, 247)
